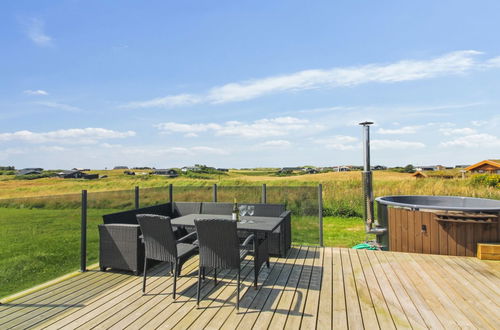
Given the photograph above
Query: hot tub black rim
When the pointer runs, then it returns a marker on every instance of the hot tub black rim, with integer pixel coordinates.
(381, 200)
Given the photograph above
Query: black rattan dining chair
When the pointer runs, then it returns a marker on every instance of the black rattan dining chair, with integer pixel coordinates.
(220, 249)
(160, 244)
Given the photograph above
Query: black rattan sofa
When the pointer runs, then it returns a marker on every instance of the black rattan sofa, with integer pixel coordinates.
(121, 246)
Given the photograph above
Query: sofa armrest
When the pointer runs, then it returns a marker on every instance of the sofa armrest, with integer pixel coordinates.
(120, 247)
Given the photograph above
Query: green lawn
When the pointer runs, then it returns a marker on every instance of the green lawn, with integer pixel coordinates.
(38, 244)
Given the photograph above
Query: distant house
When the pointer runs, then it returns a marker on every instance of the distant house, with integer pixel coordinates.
(291, 169)
(342, 169)
(72, 174)
(419, 175)
(427, 168)
(486, 166)
(190, 168)
(167, 172)
(310, 170)
(120, 168)
(379, 168)
(29, 171)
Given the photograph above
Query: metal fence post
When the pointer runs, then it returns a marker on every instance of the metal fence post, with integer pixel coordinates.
(136, 197)
(83, 242)
(215, 193)
(171, 196)
(320, 213)
(264, 194)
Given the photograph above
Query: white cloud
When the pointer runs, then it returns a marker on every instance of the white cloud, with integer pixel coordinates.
(208, 150)
(165, 102)
(339, 142)
(190, 130)
(261, 128)
(482, 140)
(35, 31)
(395, 144)
(36, 92)
(402, 130)
(457, 131)
(59, 106)
(479, 123)
(168, 151)
(67, 136)
(52, 148)
(493, 62)
(274, 144)
(407, 70)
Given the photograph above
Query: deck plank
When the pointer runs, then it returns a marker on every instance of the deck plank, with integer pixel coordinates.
(226, 310)
(73, 298)
(223, 295)
(324, 318)
(339, 307)
(454, 292)
(298, 303)
(373, 289)
(158, 291)
(283, 288)
(416, 310)
(364, 297)
(354, 315)
(311, 305)
(435, 302)
(254, 300)
(98, 303)
(311, 288)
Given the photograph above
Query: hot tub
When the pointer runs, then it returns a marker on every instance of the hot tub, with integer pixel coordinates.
(446, 225)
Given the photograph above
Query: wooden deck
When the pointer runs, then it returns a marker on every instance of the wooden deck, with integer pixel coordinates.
(312, 288)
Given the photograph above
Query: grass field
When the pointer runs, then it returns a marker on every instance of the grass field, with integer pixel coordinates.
(40, 227)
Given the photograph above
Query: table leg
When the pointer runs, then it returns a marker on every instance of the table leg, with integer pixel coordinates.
(256, 260)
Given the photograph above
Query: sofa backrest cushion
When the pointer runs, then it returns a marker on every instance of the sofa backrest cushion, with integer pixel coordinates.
(216, 208)
(129, 216)
(268, 210)
(185, 208)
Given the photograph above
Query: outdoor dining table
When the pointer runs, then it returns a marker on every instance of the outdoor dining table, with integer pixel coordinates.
(261, 227)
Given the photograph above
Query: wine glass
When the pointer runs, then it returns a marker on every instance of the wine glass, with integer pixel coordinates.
(251, 210)
(243, 212)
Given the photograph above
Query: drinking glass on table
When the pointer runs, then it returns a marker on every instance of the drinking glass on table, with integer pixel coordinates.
(250, 212)
(243, 212)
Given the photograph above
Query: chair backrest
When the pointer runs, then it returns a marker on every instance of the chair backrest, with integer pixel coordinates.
(218, 242)
(216, 208)
(159, 238)
(185, 208)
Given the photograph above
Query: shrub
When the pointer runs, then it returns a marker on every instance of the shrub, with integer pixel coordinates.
(489, 180)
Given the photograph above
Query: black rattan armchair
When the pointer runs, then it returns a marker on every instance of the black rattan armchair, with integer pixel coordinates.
(160, 244)
(220, 249)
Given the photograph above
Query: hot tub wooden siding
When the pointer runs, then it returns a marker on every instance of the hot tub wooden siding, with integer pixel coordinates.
(456, 239)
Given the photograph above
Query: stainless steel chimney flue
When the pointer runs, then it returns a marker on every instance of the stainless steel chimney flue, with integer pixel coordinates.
(367, 184)
(367, 177)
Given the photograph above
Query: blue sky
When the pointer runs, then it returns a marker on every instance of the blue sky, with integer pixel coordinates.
(247, 83)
